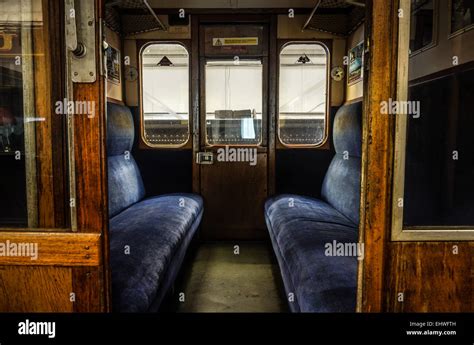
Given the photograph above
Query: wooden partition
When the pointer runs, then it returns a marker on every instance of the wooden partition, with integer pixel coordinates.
(399, 276)
(67, 267)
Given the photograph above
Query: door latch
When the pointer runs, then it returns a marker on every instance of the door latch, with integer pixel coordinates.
(81, 40)
(205, 158)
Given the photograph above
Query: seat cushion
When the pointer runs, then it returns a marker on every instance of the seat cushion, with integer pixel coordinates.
(341, 186)
(145, 240)
(124, 179)
(300, 228)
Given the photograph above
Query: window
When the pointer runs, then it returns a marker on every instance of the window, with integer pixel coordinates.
(462, 15)
(234, 102)
(32, 144)
(433, 189)
(165, 94)
(303, 94)
(422, 25)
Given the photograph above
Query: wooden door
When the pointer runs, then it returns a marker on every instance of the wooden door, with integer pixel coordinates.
(53, 231)
(234, 128)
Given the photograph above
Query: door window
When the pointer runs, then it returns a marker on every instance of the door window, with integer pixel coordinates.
(234, 102)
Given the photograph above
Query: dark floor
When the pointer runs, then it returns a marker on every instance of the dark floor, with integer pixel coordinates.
(217, 280)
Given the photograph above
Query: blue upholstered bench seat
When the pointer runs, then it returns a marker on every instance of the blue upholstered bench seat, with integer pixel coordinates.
(157, 232)
(149, 237)
(300, 228)
(299, 234)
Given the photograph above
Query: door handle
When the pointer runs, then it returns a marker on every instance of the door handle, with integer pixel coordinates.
(206, 158)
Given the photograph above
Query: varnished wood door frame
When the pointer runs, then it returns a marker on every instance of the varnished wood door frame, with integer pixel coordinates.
(398, 276)
(72, 271)
(377, 153)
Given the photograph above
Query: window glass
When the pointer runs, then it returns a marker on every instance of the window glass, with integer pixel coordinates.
(303, 94)
(422, 24)
(439, 164)
(31, 141)
(165, 94)
(234, 102)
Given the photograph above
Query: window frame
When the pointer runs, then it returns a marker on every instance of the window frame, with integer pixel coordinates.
(435, 39)
(327, 46)
(452, 34)
(141, 46)
(399, 231)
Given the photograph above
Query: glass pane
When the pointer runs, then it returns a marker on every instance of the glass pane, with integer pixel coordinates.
(439, 184)
(234, 102)
(303, 94)
(165, 92)
(462, 15)
(33, 183)
(422, 15)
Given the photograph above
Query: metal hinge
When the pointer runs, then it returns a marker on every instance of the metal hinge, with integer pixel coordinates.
(81, 39)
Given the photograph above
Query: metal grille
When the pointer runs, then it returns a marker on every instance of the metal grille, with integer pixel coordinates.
(112, 18)
(137, 23)
(338, 24)
(120, 21)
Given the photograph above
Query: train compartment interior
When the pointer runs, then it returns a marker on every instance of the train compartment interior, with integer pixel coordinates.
(272, 156)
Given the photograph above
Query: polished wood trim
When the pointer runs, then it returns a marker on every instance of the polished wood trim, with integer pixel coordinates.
(91, 181)
(54, 248)
(377, 153)
(99, 290)
(43, 108)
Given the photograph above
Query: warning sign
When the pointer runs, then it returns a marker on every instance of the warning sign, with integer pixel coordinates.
(235, 41)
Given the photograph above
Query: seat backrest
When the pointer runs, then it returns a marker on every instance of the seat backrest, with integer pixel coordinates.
(341, 186)
(125, 182)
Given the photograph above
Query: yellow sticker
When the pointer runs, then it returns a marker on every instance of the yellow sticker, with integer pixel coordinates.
(235, 41)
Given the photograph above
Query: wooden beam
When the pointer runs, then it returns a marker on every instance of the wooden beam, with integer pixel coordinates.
(377, 155)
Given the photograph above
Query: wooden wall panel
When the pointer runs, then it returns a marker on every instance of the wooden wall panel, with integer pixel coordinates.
(89, 289)
(234, 196)
(60, 249)
(37, 289)
(431, 277)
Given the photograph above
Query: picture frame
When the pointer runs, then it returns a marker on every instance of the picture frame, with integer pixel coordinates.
(356, 62)
(113, 65)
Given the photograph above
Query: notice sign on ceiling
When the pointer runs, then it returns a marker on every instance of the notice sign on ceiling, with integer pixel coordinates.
(235, 41)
